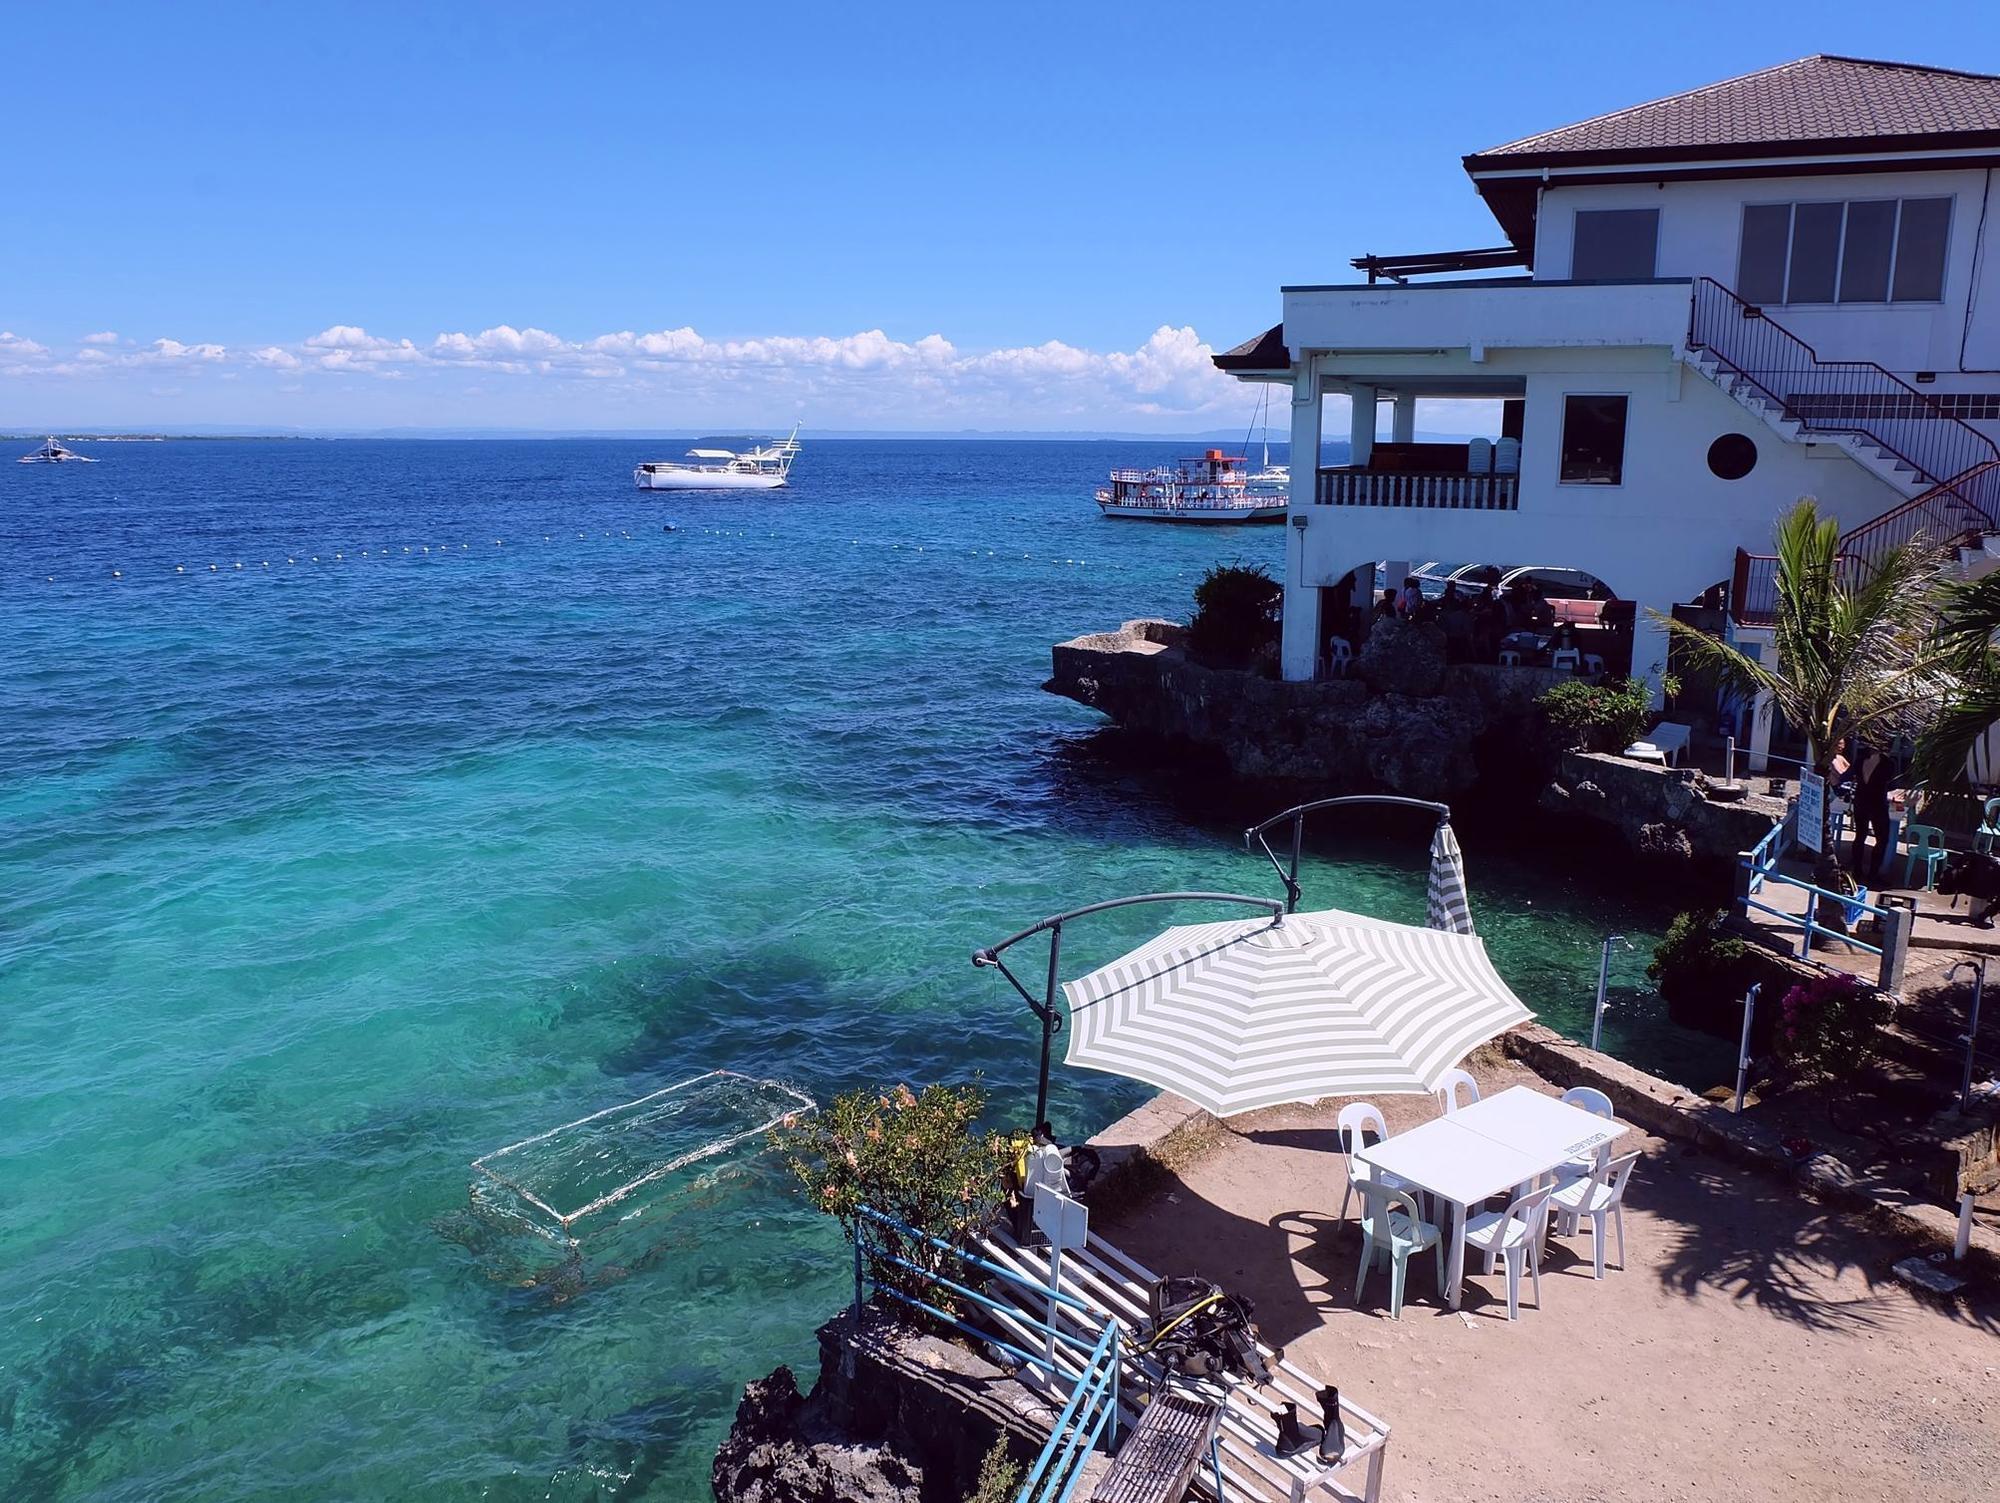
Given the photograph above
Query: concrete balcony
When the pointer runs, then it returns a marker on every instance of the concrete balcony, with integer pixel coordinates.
(1473, 317)
(1428, 490)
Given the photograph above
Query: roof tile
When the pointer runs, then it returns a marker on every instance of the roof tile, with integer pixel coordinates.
(1815, 99)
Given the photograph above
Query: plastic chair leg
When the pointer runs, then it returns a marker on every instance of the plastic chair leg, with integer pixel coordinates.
(1534, 1258)
(1400, 1267)
(1361, 1275)
(1618, 1215)
(1513, 1287)
(1597, 1230)
(1345, 1196)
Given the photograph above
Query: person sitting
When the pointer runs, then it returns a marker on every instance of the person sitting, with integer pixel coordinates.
(1410, 602)
(1385, 608)
(1455, 616)
(1541, 615)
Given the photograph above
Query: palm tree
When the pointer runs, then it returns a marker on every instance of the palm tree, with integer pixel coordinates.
(1855, 652)
(1968, 627)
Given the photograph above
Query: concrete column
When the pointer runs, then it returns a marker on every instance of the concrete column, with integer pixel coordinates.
(1649, 650)
(1403, 428)
(1361, 425)
(1299, 644)
(1763, 710)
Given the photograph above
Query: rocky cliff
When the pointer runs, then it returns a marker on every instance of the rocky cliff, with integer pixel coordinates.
(1403, 722)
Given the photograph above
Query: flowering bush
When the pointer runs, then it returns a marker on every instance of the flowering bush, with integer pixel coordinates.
(1826, 1028)
(912, 1155)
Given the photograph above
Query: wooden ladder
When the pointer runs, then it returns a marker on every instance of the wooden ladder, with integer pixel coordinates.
(1175, 1433)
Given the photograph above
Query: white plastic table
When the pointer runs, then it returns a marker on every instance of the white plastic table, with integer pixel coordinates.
(1486, 1148)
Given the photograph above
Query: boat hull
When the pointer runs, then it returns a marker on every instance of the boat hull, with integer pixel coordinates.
(1208, 516)
(700, 480)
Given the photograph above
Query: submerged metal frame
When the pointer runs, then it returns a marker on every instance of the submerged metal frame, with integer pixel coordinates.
(1045, 1007)
(1297, 815)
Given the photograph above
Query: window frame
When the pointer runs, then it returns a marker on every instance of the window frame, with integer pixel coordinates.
(1889, 299)
(1576, 214)
(1624, 438)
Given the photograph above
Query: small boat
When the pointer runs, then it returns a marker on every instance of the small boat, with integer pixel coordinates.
(52, 452)
(1212, 488)
(1272, 479)
(760, 469)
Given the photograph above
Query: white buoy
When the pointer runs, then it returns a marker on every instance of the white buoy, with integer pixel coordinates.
(239, 564)
(211, 568)
(116, 575)
(179, 569)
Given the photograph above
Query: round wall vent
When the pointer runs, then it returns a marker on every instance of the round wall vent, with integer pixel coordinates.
(1732, 456)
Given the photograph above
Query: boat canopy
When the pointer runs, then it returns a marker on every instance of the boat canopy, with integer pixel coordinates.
(711, 454)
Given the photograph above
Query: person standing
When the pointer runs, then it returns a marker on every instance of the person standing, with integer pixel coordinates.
(1873, 773)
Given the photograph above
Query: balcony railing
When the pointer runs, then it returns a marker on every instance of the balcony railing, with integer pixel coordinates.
(1438, 491)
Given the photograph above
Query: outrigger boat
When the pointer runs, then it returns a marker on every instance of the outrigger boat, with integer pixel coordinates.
(760, 469)
(1212, 488)
(52, 452)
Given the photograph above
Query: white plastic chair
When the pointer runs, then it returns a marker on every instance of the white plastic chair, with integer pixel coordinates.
(1479, 456)
(1567, 660)
(1593, 664)
(1598, 1195)
(1391, 1230)
(1507, 456)
(1355, 1119)
(1339, 656)
(1513, 1237)
(1589, 1099)
(1509, 658)
(1448, 1088)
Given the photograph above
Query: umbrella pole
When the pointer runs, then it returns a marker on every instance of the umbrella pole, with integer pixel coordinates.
(1049, 1022)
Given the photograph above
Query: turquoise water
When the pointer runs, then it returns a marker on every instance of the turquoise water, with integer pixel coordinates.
(321, 879)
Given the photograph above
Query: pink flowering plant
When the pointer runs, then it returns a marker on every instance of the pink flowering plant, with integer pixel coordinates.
(917, 1156)
(1826, 1028)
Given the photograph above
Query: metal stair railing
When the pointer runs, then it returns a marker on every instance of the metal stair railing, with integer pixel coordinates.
(1941, 514)
(1856, 397)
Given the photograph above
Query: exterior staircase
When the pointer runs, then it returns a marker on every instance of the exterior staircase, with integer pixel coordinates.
(1948, 471)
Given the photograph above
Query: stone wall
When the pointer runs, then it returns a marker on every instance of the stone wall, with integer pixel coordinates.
(1661, 817)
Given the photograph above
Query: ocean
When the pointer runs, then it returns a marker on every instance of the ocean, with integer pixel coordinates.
(370, 805)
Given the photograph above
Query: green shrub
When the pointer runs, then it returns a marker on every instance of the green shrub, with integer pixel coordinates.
(1607, 716)
(1826, 1028)
(999, 1477)
(1697, 959)
(912, 1155)
(1236, 614)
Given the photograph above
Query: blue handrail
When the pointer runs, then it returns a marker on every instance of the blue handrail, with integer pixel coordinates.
(1090, 1415)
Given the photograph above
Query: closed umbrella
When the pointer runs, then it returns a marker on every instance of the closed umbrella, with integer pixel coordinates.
(1252, 1013)
(1447, 906)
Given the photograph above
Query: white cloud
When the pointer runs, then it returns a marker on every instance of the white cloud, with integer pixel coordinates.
(865, 378)
(106, 337)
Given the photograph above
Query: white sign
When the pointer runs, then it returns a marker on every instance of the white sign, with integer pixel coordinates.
(1065, 1222)
(1812, 808)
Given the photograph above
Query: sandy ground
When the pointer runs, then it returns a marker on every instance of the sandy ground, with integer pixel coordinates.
(1754, 1348)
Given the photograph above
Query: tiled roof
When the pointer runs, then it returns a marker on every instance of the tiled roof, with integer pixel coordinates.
(1260, 352)
(1815, 102)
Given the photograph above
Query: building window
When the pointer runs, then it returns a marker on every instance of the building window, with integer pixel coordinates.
(1867, 250)
(1732, 456)
(1614, 245)
(1593, 442)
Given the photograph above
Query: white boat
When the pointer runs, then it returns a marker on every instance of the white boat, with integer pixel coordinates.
(761, 469)
(1272, 479)
(1212, 488)
(52, 452)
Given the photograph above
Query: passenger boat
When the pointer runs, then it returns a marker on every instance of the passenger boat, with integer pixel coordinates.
(761, 469)
(52, 452)
(1212, 488)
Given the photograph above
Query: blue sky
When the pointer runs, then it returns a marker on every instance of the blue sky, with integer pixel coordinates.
(936, 216)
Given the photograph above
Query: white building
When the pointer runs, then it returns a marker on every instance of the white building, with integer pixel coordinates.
(1780, 285)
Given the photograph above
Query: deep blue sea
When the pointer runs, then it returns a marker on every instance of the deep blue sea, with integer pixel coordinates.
(365, 806)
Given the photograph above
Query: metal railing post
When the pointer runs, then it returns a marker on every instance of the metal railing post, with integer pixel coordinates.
(1729, 760)
(1972, 1038)
(1743, 1049)
(1603, 980)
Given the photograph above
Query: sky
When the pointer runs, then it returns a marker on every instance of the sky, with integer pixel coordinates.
(673, 216)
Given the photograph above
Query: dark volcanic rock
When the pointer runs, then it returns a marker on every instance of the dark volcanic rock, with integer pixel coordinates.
(782, 1450)
(1664, 842)
(1403, 657)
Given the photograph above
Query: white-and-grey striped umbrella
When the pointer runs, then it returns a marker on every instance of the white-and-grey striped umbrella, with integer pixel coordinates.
(1249, 1013)
(1446, 905)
